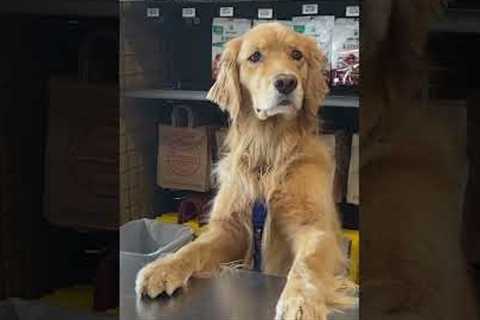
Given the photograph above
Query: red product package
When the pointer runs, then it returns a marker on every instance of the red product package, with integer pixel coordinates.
(345, 52)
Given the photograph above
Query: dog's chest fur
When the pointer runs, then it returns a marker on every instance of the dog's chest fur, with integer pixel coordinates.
(264, 175)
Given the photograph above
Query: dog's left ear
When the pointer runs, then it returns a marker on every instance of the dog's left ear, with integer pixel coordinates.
(316, 86)
(226, 92)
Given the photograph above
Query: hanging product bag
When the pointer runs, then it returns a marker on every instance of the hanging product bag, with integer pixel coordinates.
(184, 157)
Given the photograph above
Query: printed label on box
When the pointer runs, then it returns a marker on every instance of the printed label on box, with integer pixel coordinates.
(188, 12)
(310, 9)
(226, 12)
(153, 12)
(352, 11)
(265, 13)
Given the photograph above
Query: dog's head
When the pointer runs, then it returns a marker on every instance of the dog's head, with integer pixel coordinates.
(273, 71)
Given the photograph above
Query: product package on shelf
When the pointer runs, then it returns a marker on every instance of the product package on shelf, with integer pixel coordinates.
(223, 30)
(260, 21)
(184, 156)
(353, 195)
(345, 52)
(320, 28)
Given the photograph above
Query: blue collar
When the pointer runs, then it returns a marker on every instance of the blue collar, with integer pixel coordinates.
(259, 214)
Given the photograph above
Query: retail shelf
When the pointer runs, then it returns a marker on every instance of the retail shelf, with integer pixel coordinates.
(458, 21)
(187, 95)
(86, 8)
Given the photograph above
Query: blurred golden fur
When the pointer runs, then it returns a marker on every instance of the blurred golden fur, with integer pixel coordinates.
(278, 158)
(412, 175)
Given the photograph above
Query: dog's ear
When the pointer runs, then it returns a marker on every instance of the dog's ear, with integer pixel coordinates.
(316, 87)
(226, 92)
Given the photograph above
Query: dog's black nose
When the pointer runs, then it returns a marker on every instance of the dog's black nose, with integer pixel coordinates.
(285, 83)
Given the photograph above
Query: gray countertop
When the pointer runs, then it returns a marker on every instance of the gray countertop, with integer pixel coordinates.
(238, 295)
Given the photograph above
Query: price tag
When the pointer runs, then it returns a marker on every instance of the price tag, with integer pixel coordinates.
(352, 11)
(153, 12)
(310, 8)
(226, 11)
(189, 12)
(265, 13)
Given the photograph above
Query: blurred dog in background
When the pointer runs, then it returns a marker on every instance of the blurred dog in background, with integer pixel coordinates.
(413, 173)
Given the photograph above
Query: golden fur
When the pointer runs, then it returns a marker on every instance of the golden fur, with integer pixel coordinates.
(412, 171)
(281, 159)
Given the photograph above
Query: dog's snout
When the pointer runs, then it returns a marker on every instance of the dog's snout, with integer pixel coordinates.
(285, 83)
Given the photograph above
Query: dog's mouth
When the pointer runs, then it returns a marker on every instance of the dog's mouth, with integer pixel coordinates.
(283, 107)
(285, 102)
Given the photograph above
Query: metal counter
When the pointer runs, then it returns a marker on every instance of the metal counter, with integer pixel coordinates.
(238, 295)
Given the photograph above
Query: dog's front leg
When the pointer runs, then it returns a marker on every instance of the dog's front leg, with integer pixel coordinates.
(311, 283)
(308, 220)
(225, 240)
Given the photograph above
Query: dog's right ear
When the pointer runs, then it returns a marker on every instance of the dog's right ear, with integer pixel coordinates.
(226, 92)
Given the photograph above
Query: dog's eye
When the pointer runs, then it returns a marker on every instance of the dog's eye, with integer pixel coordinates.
(296, 54)
(255, 57)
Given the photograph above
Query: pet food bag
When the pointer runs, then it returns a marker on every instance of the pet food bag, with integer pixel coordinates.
(320, 28)
(223, 30)
(345, 52)
(260, 21)
(184, 157)
(353, 195)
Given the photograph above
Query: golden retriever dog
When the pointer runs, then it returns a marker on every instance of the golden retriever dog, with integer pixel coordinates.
(412, 165)
(271, 83)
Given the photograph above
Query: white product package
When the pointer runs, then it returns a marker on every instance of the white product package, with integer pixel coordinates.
(223, 30)
(320, 28)
(346, 52)
(260, 21)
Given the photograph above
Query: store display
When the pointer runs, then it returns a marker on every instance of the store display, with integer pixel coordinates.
(346, 52)
(320, 28)
(187, 166)
(223, 30)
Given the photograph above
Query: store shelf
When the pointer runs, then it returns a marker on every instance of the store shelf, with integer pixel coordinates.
(187, 95)
(184, 95)
(87, 8)
(458, 21)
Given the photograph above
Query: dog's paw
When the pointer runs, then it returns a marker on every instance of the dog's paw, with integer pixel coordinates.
(297, 304)
(164, 275)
